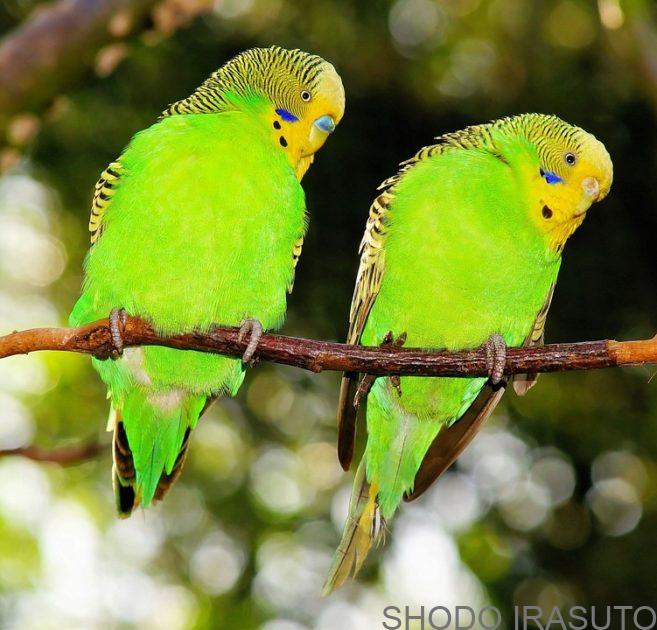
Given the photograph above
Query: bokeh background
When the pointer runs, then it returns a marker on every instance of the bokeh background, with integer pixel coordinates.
(554, 504)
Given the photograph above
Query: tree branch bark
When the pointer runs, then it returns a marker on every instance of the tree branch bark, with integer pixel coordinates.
(63, 456)
(318, 356)
(315, 356)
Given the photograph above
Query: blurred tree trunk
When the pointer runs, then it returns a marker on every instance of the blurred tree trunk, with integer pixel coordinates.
(56, 45)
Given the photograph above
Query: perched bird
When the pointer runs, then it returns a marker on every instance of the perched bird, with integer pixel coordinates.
(200, 222)
(462, 249)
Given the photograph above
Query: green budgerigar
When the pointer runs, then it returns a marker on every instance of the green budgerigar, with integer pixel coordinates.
(462, 249)
(200, 221)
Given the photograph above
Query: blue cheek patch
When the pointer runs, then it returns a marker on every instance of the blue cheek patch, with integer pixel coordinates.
(552, 178)
(286, 116)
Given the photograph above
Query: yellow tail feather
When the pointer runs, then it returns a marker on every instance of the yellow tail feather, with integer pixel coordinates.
(363, 527)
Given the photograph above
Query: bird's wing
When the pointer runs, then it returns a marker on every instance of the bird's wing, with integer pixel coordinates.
(368, 283)
(105, 188)
(296, 253)
(522, 383)
(452, 440)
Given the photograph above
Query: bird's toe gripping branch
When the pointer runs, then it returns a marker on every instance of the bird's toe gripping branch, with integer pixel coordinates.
(254, 328)
(367, 381)
(495, 347)
(117, 321)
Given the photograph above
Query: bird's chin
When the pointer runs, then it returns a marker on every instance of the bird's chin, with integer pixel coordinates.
(316, 140)
(303, 165)
(582, 208)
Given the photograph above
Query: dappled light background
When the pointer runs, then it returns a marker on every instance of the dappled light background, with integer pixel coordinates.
(554, 504)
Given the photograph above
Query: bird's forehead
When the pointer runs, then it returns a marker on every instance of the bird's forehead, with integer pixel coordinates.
(597, 155)
(585, 144)
(330, 87)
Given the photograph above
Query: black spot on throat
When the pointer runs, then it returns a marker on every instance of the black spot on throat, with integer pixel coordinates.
(277, 125)
(283, 141)
(547, 212)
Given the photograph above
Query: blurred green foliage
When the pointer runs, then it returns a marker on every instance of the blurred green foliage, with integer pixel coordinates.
(554, 504)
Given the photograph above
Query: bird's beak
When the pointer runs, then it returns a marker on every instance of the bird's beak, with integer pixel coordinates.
(591, 187)
(319, 132)
(325, 124)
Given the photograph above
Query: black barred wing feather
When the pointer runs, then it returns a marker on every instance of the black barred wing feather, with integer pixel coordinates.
(104, 191)
(368, 283)
(522, 383)
(296, 253)
(372, 263)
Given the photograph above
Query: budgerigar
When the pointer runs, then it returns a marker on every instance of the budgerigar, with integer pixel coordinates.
(462, 249)
(201, 222)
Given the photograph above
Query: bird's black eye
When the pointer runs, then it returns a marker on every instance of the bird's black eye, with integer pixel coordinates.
(570, 159)
(305, 96)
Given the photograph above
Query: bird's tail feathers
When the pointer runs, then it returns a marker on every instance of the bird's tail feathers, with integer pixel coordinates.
(168, 479)
(123, 469)
(149, 447)
(364, 527)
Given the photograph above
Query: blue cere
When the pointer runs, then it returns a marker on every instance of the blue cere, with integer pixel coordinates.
(286, 116)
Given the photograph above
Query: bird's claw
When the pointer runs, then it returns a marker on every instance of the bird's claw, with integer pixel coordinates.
(495, 347)
(364, 388)
(251, 327)
(117, 320)
(367, 381)
(391, 342)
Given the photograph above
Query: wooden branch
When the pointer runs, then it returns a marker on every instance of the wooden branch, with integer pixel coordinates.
(317, 356)
(64, 456)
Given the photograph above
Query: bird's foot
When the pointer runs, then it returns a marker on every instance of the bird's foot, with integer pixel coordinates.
(390, 342)
(367, 381)
(254, 328)
(117, 320)
(395, 381)
(495, 347)
(364, 388)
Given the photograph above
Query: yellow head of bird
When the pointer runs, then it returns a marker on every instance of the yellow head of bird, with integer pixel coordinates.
(307, 104)
(574, 171)
(303, 96)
